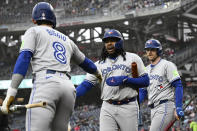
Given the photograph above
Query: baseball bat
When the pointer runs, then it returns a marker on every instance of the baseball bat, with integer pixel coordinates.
(173, 121)
(27, 106)
(134, 73)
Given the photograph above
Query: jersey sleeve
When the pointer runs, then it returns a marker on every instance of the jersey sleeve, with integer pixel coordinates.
(78, 57)
(172, 72)
(29, 41)
(140, 66)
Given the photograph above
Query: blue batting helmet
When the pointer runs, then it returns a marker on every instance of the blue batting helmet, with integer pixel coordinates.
(44, 11)
(114, 34)
(153, 43)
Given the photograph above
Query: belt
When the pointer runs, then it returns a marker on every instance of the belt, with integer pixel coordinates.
(53, 72)
(124, 101)
(160, 102)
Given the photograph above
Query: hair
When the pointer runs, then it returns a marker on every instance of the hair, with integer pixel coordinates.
(105, 54)
(40, 22)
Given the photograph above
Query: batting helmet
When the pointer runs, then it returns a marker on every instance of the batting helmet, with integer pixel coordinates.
(153, 43)
(43, 11)
(114, 34)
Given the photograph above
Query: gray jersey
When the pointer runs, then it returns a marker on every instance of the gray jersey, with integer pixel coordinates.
(161, 76)
(50, 48)
(117, 67)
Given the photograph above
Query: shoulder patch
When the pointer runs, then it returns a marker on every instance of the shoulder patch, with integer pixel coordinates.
(175, 73)
(22, 44)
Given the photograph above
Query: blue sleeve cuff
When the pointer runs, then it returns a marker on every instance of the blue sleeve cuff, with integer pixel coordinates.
(178, 93)
(88, 66)
(142, 81)
(83, 88)
(22, 63)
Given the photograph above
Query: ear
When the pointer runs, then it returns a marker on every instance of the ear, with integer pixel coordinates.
(34, 21)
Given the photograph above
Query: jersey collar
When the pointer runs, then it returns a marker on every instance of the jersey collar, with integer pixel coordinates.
(151, 65)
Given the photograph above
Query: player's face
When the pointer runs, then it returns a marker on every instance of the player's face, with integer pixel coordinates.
(110, 45)
(151, 54)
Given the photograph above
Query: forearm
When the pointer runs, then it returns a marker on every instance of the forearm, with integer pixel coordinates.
(16, 80)
(178, 93)
(142, 94)
(19, 72)
(138, 82)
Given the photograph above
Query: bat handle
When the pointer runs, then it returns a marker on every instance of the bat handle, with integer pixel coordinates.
(40, 104)
(16, 107)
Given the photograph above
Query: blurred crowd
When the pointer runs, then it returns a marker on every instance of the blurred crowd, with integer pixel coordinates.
(139, 4)
(170, 51)
(19, 11)
(85, 118)
(76, 8)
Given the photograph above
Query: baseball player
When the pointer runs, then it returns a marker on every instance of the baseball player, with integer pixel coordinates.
(119, 109)
(50, 53)
(165, 86)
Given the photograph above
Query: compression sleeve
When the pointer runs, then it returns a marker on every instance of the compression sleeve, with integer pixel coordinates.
(16, 80)
(22, 63)
(88, 66)
(83, 88)
(178, 92)
(142, 81)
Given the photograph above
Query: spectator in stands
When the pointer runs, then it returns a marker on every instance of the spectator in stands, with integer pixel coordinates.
(193, 125)
(77, 128)
(3, 118)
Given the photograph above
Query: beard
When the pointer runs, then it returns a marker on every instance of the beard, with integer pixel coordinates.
(154, 59)
(115, 54)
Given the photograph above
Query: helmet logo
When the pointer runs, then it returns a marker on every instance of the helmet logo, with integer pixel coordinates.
(110, 32)
(149, 42)
(43, 16)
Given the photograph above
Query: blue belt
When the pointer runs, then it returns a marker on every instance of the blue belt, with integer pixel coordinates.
(125, 101)
(160, 102)
(53, 72)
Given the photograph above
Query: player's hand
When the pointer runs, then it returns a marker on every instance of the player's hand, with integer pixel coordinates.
(98, 75)
(6, 104)
(11, 93)
(116, 80)
(179, 113)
